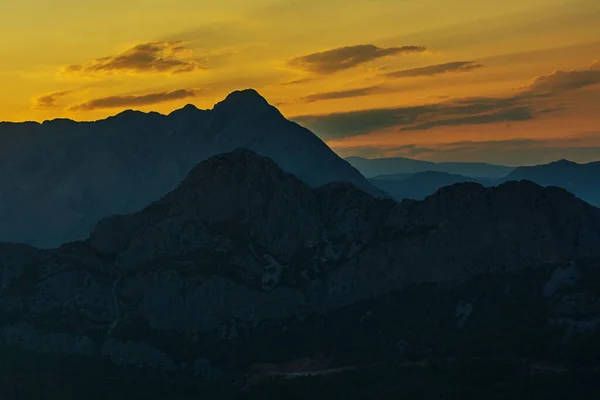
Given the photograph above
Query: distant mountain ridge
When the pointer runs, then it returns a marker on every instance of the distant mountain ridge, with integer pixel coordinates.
(583, 180)
(421, 184)
(372, 167)
(58, 178)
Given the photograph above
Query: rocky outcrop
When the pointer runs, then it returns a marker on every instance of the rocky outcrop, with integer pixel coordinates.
(243, 257)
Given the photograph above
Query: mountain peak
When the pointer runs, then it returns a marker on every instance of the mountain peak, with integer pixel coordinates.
(189, 107)
(244, 99)
(563, 161)
(248, 94)
(241, 159)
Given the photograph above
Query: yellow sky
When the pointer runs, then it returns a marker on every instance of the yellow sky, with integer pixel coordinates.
(88, 60)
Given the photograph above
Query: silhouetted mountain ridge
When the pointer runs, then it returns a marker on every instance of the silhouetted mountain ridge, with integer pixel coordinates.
(581, 179)
(60, 177)
(421, 184)
(373, 167)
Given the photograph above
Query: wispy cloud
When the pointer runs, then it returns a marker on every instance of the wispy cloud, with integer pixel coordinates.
(344, 94)
(50, 100)
(564, 81)
(133, 100)
(509, 115)
(581, 148)
(355, 123)
(152, 57)
(456, 66)
(331, 61)
(523, 105)
(297, 82)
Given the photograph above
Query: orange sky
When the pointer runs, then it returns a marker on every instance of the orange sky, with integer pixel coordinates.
(516, 81)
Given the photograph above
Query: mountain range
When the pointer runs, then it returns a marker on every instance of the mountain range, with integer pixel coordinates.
(373, 167)
(231, 250)
(419, 185)
(60, 177)
(244, 265)
(583, 180)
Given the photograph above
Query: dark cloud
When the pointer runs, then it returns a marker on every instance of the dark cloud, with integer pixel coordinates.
(342, 58)
(521, 106)
(152, 57)
(581, 148)
(343, 94)
(564, 81)
(456, 66)
(133, 100)
(49, 100)
(508, 115)
(355, 123)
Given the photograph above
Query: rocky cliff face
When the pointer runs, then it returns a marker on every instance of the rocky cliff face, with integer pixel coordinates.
(245, 263)
(59, 178)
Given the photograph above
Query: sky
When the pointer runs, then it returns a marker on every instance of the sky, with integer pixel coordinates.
(513, 82)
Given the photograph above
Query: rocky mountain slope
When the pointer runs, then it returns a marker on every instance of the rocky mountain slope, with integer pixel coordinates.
(243, 263)
(59, 178)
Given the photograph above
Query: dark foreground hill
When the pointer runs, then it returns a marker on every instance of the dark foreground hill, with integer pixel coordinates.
(59, 178)
(244, 272)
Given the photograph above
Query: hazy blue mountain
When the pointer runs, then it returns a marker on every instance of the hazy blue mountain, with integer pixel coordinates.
(397, 177)
(243, 270)
(421, 184)
(583, 180)
(60, 177)
(372, 167)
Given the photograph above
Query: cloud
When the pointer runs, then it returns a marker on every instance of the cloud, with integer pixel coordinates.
(133, 100)
(49, 100)
(508, 115)
(564, 81)
(523, 105)
(152, 57)
(355, 123)
(525, 151)
(456, 66)
(297, 82)
(344, 94)
(331, 61)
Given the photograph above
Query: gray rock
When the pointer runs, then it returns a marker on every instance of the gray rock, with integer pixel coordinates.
(137, 354)
(26, 337)
(561, 277)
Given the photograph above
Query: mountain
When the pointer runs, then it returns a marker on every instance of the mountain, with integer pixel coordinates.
(372, 167)
(421, 184)
(60, 177)
(583, 180)
(399, 177)
(244, 270)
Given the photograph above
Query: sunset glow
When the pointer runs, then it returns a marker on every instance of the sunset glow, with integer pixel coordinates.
(518, 80)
